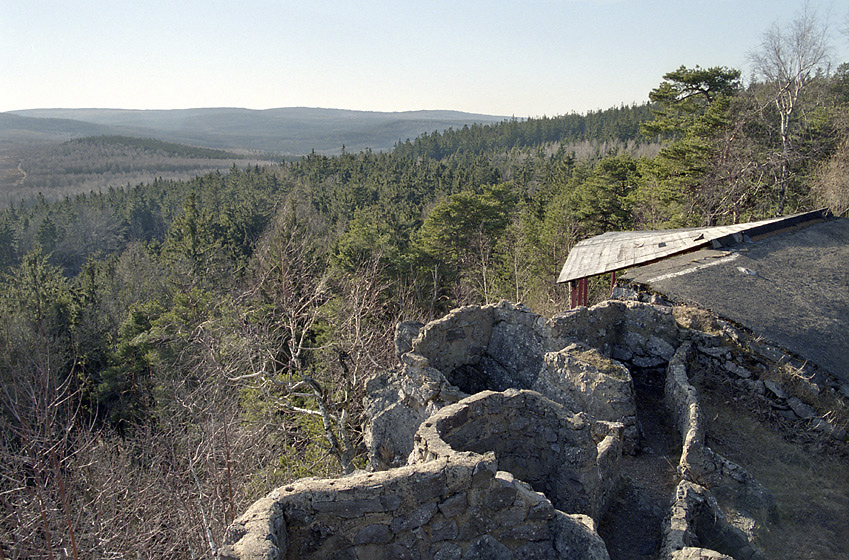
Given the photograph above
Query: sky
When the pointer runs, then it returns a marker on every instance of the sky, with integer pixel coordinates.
(522, 58)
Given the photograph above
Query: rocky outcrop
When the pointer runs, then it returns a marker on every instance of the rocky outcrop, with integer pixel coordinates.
(583, 379)
(398, 402)
(570, 359)
(501, 434)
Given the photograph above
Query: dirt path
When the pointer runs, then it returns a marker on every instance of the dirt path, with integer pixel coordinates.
(22, 172)
(632, 526)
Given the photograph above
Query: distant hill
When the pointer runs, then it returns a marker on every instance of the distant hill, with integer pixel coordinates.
(34, 161)
(60, 152)
(287, 131)
(16, 130)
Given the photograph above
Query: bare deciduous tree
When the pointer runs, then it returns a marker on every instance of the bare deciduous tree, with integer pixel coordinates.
(787, 59)
(306, 340)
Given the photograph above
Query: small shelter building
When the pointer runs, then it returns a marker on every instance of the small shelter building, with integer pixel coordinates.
(786, 279)
(618, 250)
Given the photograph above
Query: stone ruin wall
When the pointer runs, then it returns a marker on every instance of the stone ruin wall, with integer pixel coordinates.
(535, 439)
(523, 464)
(457, 506)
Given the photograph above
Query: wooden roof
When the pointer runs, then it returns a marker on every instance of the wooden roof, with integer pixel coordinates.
(616, 250)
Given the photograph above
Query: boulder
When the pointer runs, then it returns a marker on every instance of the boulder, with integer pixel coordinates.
(405, 333)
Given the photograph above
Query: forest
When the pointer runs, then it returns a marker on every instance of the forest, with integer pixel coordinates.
(60, 170)
(173, 350)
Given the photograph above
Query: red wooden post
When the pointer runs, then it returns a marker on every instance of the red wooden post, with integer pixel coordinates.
(586, 291)
(582, 291)
(578, 287)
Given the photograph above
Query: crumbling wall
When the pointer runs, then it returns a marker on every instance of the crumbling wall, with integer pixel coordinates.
(697, 528)
(628, 331)
(695, 517)
(456, 506)
(570, 359)
(459, 338)
(534, 438)
(516, 472)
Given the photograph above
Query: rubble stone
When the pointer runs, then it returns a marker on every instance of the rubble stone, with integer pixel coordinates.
(801, 409)
(775, 389)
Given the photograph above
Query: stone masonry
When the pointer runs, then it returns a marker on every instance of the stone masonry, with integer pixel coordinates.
(457, 506)
(499, 435)
(534, 438)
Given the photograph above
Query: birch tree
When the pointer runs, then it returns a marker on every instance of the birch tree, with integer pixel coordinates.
(787, 59)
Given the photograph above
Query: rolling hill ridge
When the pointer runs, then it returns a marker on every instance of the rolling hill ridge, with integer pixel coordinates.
(287, 131)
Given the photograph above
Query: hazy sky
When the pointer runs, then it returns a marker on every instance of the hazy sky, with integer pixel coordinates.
(517, 57)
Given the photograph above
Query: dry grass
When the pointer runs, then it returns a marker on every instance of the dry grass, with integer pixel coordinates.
(594, 358)
(827, 403)
(807, 474)
(697, 319)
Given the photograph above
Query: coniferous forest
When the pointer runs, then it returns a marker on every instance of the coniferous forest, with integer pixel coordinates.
(173, 350)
